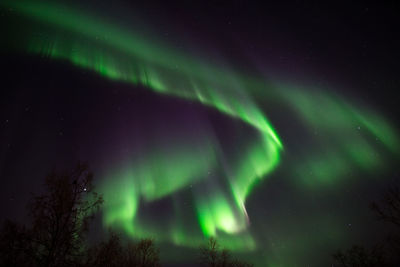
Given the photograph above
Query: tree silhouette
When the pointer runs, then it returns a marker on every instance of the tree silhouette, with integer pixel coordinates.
(13, 249)
(358, 256)
(387, 254)
(209, 254)
(388, 210)
(142, 254)
(60, 218)
(212, 255)
(111, 253)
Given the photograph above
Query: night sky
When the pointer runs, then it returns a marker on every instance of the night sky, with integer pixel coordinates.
(269, 126)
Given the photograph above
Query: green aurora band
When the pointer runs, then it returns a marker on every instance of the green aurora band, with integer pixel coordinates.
(114, 53)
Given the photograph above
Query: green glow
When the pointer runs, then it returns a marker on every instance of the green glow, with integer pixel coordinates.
(358, 139)
(101, 49)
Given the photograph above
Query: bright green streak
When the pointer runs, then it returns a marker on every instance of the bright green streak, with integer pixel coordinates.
(122, 55)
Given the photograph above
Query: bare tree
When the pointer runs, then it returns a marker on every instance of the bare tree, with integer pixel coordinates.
(13, 248)
(209, 254)
(388, 211)
(358, 256)
(60, 218)
(109, 253)
(142, 254)
(389, 208)
(212, 255)
(387, 254)
(113, 254)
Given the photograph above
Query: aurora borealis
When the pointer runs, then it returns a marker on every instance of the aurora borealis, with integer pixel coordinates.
(205, 146)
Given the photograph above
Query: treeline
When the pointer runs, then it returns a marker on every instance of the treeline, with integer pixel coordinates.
(60, 220)
(59, 223)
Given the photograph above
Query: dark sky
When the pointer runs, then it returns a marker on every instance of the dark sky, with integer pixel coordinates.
(325, 75)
